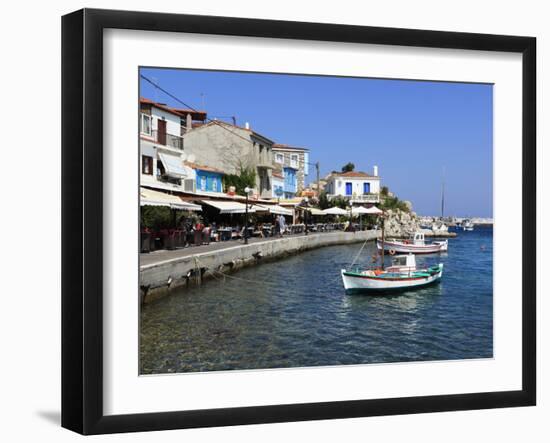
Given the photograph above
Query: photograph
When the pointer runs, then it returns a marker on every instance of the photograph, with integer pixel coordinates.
(298, 220)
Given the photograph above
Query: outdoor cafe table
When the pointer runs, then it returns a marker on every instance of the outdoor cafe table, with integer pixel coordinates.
(297, 229)
(225, 234)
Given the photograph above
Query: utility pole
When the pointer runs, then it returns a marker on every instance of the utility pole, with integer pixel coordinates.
(318, 181)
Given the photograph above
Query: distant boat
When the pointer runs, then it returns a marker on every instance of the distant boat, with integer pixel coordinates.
(415, 245)
(402, 275)
(467, 225)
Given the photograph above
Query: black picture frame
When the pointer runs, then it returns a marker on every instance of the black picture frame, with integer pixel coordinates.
(82, 218)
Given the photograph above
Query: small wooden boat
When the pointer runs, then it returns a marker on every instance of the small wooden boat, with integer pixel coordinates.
(415, 245)
(401, 275)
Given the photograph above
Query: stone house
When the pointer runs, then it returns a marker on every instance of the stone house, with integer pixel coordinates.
(229, 148)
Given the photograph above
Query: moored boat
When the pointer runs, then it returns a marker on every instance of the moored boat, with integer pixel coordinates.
(401, 275)
(467, 225)
(415, 245)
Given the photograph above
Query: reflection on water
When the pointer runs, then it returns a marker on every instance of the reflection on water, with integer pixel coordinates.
(295, 313)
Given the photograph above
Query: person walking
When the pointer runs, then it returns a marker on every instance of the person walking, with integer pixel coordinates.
(277, 227)
(282, 224)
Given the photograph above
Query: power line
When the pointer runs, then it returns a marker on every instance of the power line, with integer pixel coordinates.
(221, 125)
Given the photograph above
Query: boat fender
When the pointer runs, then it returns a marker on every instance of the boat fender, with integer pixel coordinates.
(392, 251)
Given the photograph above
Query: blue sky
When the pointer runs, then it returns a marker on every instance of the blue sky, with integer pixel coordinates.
(413, 130)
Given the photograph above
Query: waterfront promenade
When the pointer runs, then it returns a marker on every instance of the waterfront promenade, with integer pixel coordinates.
(163, 255)
(162, 271)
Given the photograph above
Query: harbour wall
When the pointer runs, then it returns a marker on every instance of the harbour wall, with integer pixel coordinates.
(157, 279)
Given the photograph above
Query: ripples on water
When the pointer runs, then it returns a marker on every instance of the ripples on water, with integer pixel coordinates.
(297, 314)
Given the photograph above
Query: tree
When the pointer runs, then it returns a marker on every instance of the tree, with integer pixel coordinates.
(245, 177)
(394, 203)
(384, 191)
(349, 167)
(323, 201)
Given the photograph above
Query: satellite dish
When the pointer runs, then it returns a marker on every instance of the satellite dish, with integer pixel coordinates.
(191, 158)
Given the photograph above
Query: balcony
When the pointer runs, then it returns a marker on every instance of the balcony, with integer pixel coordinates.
(358, 198)
(365, 198)
(170, 140)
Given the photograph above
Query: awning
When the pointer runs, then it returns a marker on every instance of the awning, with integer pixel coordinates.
(372, 210)
(315, 211)
(275, 209)
(149, 197)
(173, 165)
(229, 207)
(335, 210)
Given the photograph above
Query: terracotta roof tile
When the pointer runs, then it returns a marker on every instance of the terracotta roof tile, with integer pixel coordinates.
(180, 112)
(354, 174)
(203, 167)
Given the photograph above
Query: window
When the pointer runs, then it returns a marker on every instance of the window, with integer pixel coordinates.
(294, 160)
(215, 184)
(146, 124)
(160, 169)
(203, 183)
(146, 165)
(366, 188)
(279, 158)
(348, 188)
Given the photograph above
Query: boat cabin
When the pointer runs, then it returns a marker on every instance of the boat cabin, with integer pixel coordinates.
(403, 263)
(417, 238)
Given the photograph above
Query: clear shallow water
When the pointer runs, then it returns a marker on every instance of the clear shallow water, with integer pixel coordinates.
(295, 313)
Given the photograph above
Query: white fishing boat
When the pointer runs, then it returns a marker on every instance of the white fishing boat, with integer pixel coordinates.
(467, 225)
(416, 244)
(401, 275)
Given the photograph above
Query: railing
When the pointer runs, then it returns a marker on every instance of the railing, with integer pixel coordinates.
(171, 140)
(359, 198)
(365, 198)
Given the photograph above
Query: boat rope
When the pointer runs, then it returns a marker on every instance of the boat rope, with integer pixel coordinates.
(218, 275)
(357, 255)
(213, 272)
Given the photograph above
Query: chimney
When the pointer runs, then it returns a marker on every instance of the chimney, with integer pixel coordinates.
(247, 125)
(375, 171)
(189, 122)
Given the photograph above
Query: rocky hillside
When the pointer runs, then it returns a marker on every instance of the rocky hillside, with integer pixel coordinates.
(400, 223)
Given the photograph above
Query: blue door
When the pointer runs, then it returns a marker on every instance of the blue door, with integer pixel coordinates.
(348, 188)
(366, 188)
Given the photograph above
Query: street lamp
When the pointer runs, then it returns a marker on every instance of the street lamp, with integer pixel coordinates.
(246, 192)
(306, 201)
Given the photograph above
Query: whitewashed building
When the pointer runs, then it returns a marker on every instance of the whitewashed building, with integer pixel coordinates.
(358, 187)
(162, 153)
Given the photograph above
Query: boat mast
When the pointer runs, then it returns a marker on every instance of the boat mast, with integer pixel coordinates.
(443, 195)
(383, 244)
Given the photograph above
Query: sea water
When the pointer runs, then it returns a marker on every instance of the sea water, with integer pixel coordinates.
(294, 313)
